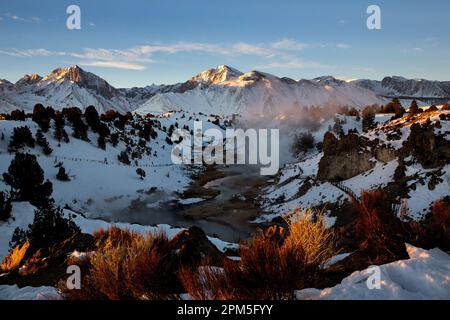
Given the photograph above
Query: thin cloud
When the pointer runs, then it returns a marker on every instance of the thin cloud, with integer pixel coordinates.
(113, 64)
(249, 49)
(22, 19)
(40, 52)
(343, 46)
(289, 44)
(295, 63)
(136, 58)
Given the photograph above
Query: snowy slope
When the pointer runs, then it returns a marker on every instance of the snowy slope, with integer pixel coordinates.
(400, 87)
(221, 90)
(64, 87)
(100, 185)
(284, 196)
(28, 293)
(424, 276)
(226, 91)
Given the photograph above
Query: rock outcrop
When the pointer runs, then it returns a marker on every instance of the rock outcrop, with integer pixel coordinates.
(430, 149)
(344, 158)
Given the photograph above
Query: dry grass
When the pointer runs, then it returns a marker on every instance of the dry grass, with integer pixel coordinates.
(378, 230)
(441, 214)
(268, 268)
(204, 283)
(14, 258)
(126, 265)
(113, 237)
(307, 230)
(375, 211)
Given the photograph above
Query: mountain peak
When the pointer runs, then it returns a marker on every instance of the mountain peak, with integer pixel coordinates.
(73, 73)
(29, 79)
(328, 80)
(83, 79)
(395, 78)
(217, 75)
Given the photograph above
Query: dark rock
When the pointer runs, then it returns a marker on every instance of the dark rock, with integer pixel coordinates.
(192, 247)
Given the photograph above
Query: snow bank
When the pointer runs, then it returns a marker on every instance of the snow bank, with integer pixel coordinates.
(426, 275)
(28, 293)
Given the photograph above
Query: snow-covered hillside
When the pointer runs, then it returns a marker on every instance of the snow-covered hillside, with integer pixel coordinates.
(297, 184)
(100, 184)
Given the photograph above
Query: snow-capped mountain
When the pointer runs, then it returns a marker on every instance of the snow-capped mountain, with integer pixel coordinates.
(408, 88)
(64, 87)
(222, 90)
(225, 90)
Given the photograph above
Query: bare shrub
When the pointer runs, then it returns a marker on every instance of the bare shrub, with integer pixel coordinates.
(307, 230)
(268, 268)
(302, 143)
(441, 214)
(126, 265)
(378, 230)
(14, 258)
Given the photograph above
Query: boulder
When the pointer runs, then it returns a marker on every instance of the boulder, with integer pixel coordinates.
(192, 247)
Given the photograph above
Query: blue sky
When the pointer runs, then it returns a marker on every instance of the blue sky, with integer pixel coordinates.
(136, 43)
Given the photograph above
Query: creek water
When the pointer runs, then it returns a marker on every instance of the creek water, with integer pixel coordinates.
(226, 216)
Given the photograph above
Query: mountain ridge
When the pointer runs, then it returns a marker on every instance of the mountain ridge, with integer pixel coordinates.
(221, 90)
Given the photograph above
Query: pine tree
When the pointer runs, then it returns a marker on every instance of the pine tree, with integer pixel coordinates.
(18, 115)
(114, 138)
(26, 178)
(400, 171)
(41, 117)
(80, 130)
(43, 143)
(49, 227)
(368, 116)
(59, 126)
(101, 142)
(413, 108)
(302, 143)
(92, 118)
(141, 173)
(123, 157)
(21, 137)
(62, 174)
(5, 206)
